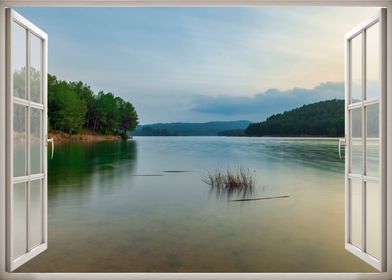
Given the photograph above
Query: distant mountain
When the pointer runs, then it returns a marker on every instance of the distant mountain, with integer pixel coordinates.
(325, 118)
(151, 131)
(189, 129)
(232, 132)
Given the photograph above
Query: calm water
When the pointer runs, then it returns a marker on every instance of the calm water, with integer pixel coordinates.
(114, 207)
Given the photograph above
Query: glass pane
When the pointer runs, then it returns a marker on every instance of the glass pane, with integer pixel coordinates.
(372, 141)
(36, 213)
(356, 69)
(373, 219)
(19, 220)
(35, 140)
(356, 141)
(35, 68)
(356, 212)
(19, 140)
(373, 62)
(19, 60)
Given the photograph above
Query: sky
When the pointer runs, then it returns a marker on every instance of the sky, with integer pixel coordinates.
(202, 64)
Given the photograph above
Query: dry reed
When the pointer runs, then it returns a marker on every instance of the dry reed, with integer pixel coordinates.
(241, 182)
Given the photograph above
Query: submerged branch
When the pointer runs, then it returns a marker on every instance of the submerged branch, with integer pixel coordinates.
(261, 198)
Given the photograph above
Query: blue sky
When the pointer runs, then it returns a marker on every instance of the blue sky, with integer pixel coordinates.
(202, 64)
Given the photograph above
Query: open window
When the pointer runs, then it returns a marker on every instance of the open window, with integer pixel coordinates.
(26, 140)
(365, 115)
(365, 112)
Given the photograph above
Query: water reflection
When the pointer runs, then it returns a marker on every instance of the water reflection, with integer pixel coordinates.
(74, 163)
(80, 173)
(303, 152)
(105, 218)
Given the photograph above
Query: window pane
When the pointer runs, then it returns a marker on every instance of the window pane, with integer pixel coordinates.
(373, 219)
(356, 141)
(35, 68)
(19, 140)
(19, 60)
(356, 213)
(36, 213)
(356, 69)
(372, 141)
(35, 140)
(373, 62)
(19, 220)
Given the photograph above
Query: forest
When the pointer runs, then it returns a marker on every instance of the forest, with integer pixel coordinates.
(73, 107)
(324, 118)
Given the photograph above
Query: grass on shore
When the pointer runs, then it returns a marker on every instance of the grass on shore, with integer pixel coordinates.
(84, 136)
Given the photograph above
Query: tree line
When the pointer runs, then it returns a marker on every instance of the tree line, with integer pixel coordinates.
(325, 118)
(74, 107)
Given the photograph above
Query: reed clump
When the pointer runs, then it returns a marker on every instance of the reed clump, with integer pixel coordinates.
(240, 182)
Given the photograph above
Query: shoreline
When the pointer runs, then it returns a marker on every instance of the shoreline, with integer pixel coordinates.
(249, 137)
(60, 137)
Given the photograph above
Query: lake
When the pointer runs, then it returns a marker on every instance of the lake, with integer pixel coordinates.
(141, 206)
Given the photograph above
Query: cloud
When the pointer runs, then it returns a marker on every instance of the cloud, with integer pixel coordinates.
(201, 64)
(262, 105)
(208, 50)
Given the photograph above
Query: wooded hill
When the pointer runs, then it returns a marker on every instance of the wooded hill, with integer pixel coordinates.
(73, 107)
(325, 118)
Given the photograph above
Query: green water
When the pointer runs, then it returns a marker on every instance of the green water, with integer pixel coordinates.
(113, 207)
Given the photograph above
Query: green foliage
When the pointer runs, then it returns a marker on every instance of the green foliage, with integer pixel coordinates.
(127, 116)
(65, 108)
(73, 106)
(325, 118)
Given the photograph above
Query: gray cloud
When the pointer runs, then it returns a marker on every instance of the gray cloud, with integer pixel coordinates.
(262, 105)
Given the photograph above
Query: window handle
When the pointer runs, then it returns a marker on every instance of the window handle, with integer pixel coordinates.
(342, 141)
(51, 140)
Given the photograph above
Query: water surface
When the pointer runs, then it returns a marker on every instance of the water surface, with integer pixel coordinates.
(141, 206)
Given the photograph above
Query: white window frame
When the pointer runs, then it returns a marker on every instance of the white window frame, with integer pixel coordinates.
(14, 17)
(361, 29)
(161, 3)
